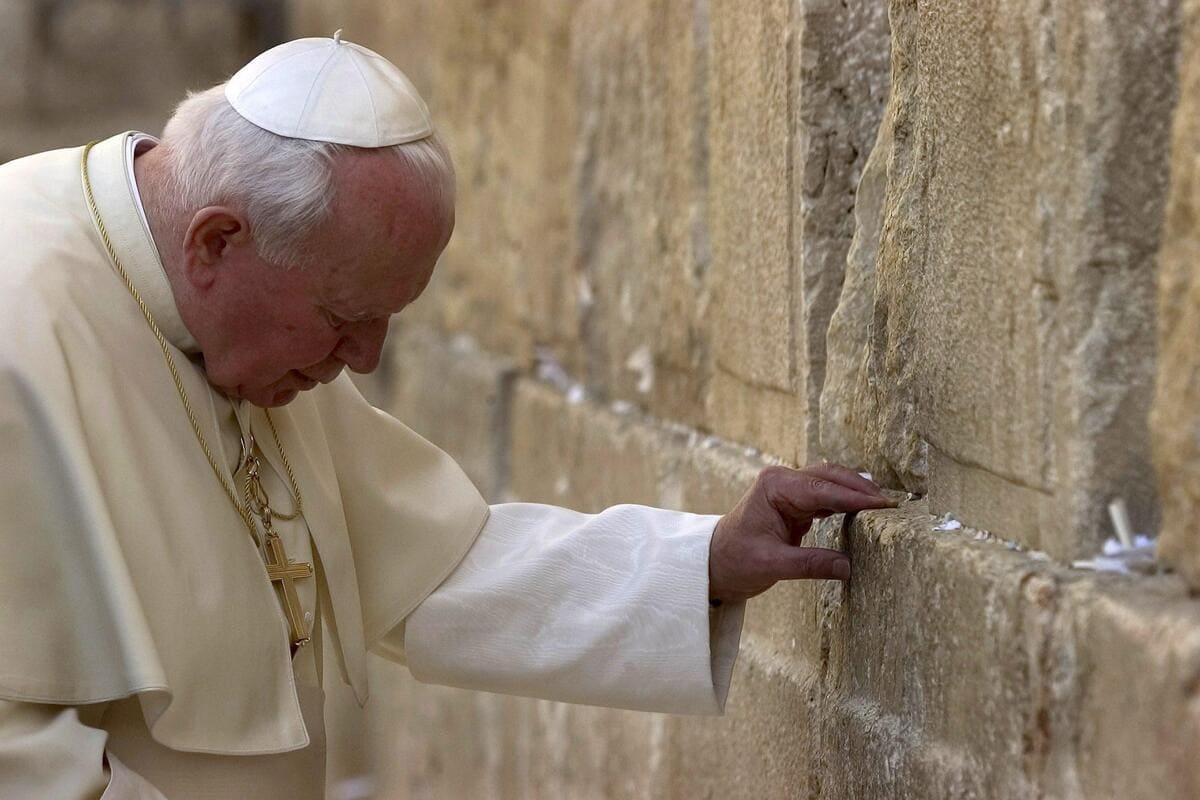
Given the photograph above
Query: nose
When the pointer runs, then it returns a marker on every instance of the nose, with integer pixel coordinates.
(361, 345)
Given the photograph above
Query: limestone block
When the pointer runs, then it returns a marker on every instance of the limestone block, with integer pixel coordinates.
(848, 414)
(1139, 645)
(1176, 422)
(581, 456)
(451, 393)
(916, 650)
(1011, 328)
(790, 129)
(751, 213)
(976, 670)
(77, 71)
(596, 753)
(759, 748)
(641, 172)
(840, 74)
(421, 736)
(505, 73)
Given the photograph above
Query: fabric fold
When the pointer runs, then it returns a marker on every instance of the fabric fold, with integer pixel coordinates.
(607, 609)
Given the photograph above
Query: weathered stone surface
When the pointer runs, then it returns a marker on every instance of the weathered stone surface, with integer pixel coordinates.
(1176, 417)
(948, 667)
(970, 669)
(567, 454)
(1136, 699)
(846, 411)
(642, 176)
(840, 65)
(751, 209)
(939, 632)
(422, 736)
(1012, 322)
(790, 129)
(453, 394)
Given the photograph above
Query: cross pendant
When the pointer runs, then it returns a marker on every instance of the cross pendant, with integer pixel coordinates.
(282, 569)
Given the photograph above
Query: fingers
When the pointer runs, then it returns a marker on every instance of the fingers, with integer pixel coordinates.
(812, 563)
(846, 477)
(800, 496)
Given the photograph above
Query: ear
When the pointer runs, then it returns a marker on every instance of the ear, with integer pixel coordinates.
(216, 235)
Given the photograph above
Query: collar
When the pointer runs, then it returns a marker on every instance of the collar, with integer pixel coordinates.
(110, 168)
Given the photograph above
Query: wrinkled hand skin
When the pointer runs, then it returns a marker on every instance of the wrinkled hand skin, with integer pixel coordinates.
(758, 542)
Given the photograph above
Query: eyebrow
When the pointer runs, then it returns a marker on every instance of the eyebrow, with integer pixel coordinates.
(342, 312)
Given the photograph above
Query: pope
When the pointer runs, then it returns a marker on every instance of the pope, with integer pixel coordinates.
(206, 528)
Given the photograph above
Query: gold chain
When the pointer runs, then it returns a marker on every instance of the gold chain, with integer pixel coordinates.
(256, 494)
(243, 509)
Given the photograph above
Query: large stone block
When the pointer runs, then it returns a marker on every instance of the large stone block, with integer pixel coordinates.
(849, 415)
(1176, 417)
(584, 457)
(1135, 698)
(971, 669)
(504, 84)
(751, 130)
(840, 74)
(1012, 320)
(790, 128)
(641, 173)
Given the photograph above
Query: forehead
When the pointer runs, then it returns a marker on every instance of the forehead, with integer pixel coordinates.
(384, 234)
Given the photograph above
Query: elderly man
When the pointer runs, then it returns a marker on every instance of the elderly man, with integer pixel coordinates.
(206, 528)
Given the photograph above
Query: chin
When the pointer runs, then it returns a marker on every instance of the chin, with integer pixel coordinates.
(264, 396)
(275, 399)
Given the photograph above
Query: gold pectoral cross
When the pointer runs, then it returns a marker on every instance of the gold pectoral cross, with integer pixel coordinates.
(282, 569)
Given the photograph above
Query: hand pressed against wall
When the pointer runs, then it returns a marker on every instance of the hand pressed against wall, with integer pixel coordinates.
(758, 542)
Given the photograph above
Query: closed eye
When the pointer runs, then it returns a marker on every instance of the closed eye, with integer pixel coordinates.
(333, 320)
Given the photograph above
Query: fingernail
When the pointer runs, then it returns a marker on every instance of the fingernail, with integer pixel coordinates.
(841, 569)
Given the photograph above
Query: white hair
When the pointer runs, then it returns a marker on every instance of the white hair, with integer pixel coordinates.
(283, 185)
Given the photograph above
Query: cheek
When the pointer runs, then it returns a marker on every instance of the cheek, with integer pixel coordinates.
(304, 345)
(267, 349)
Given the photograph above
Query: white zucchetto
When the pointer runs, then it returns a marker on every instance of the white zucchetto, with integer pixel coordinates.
(329, 90)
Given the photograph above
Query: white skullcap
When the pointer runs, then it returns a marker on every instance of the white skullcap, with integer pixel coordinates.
(328, 90)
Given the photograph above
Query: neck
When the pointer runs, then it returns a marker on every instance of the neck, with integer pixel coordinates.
(167, 222)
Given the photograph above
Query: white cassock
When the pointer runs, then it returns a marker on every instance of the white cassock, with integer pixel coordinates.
(139, 629)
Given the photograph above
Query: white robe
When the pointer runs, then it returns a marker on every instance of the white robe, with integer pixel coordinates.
(141, 624)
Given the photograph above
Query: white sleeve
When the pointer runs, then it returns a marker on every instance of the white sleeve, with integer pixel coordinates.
(606, 609)
(47, 751)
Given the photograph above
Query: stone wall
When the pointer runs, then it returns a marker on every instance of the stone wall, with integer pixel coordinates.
(1005, 361)
(699, 236)
(76, 70)
(1176, 418)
